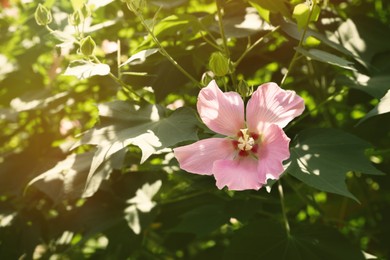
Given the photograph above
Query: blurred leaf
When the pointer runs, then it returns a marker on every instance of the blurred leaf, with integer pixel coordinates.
(183, 27)
(85, 69)
(275, 6)
(40, 99)
(68, 178)
(141, 202)
(364, 37)
(321, 158)
(382, 108)
(167, 3)
(292, 30)
(139, 57)
(151, 135)
(265, 239)
(301, 14)
(202, 220)
(143, 197)
(326, 57)
(239, 22)
(376, 86)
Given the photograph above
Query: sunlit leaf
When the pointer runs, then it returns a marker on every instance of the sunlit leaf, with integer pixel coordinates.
(141, 202)
(149, 129)
(376, 86)
(275, 6)
(85, 69)
(68, 178)
(265, 239)
(292, 30)
(322, 157)
(301, 14)
(144, 195)
(139, 57)
(382, 108)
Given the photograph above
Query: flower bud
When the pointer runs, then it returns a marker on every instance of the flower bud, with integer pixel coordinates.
(219, 64)
(42, 15)
(85, 11)
(244, 89)
(207, 77)
(75, 18)
(87, 46)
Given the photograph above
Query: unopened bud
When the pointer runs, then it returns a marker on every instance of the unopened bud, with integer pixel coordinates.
(244, 89)
(42, 15)
(75, 18)
(219, 64)
(207, 77)
(87, 46)
(85, 11)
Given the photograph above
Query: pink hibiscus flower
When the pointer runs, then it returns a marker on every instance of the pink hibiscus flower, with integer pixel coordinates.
(253, 150)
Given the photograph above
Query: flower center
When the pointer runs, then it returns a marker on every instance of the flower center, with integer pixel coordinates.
(245, 142)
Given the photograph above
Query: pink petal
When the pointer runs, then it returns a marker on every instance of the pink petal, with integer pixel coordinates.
(238, 174)
(221, 112)
(270, 104)
(200, 156)
(274, 150)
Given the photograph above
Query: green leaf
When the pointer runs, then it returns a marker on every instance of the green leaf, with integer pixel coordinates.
(275, 6)
(377, 86)
(265, 239)
(382, 108)
(183, 27)
(167, 3)
(141, 202)
(292, 30)
(139, 57)
(144, 195)
(239, 23)
(301, 14)
(321, 158)
(85, 69)
(202, 220)
(145, 127)
(326, 57)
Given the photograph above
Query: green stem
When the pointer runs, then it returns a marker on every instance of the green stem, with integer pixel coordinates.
(286, 224)
(119, 81)
(250, 48)
(295, 57)
(224, 40)
(281, 195)
(164, 52)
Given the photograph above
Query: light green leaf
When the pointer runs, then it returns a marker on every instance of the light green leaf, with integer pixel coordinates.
(382, 108)
(321, 158)
(326, 57)
(139, 57)
(275, 6)
(147, 127)
(85, 69)
(167, 3)
(301, 14)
